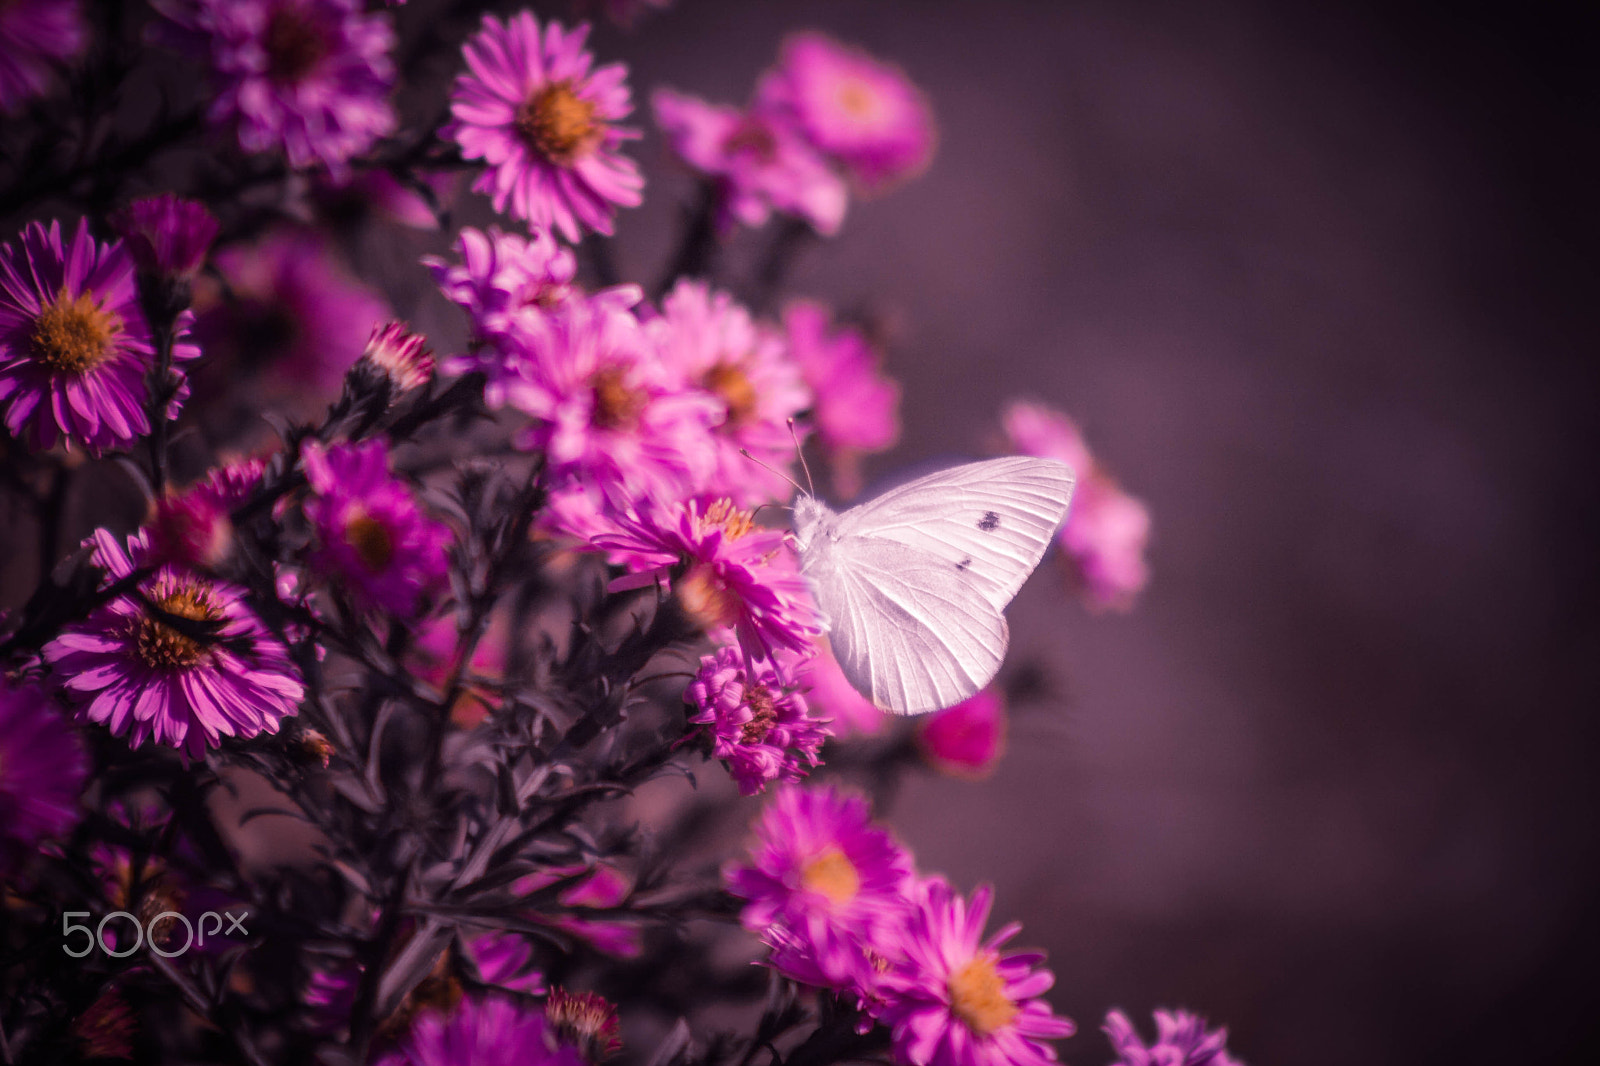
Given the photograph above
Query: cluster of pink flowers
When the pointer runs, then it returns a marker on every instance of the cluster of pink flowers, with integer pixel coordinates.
(839, 904)
(825, 115)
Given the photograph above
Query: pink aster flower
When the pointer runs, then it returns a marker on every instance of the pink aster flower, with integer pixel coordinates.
(727, 573)
(956, 1001)
(859, 110)
(1181, 1040)
(482, 1032)
(308, 77)
(42, 767)
(830, 880)
(756, 723)
(608, 411)
(968, 739)
(544, 122)
(746, 371)
(294, 318)
(203, 669)
(34, 36)
(758, 164)
(195, 527)
(74, 345)
(1106, 531)
(166, 234)
(856, 407)
(371, 534)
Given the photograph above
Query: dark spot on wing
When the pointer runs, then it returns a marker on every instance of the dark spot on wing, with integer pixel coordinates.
(963, 564)
(989, 522)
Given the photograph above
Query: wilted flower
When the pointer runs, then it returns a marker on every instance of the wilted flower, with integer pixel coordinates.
(956, 1001)
(757, 164)
(202, 668)
(308, 77)
(757, 724)
(861, 111)
(531, 108)
(755, 387)
(857, 407)
(1106, 530)
(371, 534)
(1181, 1040)
(167, 235)
(728, 573)
(34, 36)
(586, 1021)
(968, 739)
(821, 871)
(74, 345)
(397, 357)
(42, 767)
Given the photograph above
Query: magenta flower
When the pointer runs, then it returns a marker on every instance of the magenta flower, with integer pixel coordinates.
(34, 36)
(758, 164)
(398, 357)
(830, 880)
(167, 234)
(543, 121)
(956, 1001)
(144, 677)
(755, 387)
(757, 724)
(74, 345)
(728, 574)
(1106, 531)
(295, 317)
(586, 1021)
(194, 527)
(42, 767)
(968, 739)
(310, 78)
(371, 534)
(1181, 1040)
(609, 412)
(863, 112)
(857, 407)
(482, 1032)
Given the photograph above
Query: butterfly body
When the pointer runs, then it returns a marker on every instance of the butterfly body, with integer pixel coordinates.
(913, 582)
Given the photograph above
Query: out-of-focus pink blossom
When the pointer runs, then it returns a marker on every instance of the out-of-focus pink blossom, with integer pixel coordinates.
(543, 120)
(968, 739)
(833, 695)
(859, 110)
(856, 407)
(167, 234)
(194, 527)
(1181, 1040)
(757, 163)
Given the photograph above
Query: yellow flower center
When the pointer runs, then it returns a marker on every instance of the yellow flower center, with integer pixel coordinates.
(833, 875)
(371, 540)
(706, 598)
(163, 647)
(557, 123)
(978, 996)
(763, 714)
(734, 522)
(74, 335)
(294, 45)
(733, 386)
(616, 405)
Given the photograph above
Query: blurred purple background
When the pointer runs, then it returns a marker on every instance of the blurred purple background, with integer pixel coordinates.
(1318, 287)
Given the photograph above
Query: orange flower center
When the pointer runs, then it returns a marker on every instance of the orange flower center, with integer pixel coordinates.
(706, 598)
(371, 540)
(858, 98)
(978, 996)
(833, 875)
(557, 123)
(163, 647)
(294, 45)
(74, 335)
(733, 386)
(734, 522)
(616, 405)
(763, 714)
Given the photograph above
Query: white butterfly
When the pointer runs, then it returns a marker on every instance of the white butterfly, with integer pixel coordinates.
(914, 581)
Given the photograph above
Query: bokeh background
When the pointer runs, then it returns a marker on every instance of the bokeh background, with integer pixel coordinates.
(1320, 288)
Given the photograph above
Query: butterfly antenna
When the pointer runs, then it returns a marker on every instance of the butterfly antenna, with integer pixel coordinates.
(746, 453)
(802, 454)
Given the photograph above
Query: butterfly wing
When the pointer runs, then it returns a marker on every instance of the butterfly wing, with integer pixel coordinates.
(990, 522)
(910, 632)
